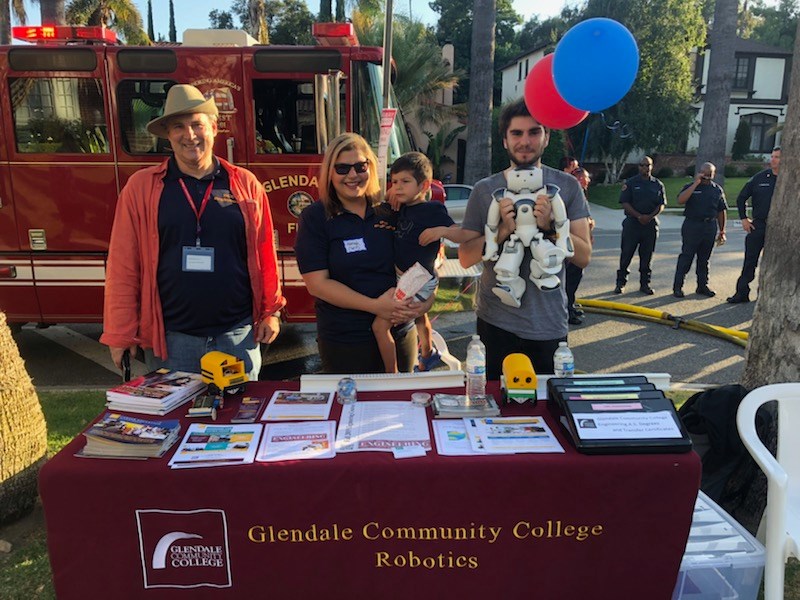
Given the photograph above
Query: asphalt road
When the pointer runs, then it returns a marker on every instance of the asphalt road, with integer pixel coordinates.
(70, 356)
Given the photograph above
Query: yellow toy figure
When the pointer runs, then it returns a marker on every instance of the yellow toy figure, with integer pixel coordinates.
(518, 380)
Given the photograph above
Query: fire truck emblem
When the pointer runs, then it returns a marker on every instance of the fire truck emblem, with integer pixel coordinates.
(224, 197)
(298, 201)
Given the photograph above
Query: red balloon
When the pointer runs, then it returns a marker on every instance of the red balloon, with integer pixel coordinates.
(545, 103)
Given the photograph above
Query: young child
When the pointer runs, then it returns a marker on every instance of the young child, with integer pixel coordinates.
(420, 226)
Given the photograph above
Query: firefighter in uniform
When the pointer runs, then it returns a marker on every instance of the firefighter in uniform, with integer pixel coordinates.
(759, 189)
(643, 198)
(705, 216)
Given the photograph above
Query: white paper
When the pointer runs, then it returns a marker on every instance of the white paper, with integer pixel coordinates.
(207, 445)
(626, 425)
(503, 435)
(298, 406)
(451, 438)
(382, 426)
(296, 441)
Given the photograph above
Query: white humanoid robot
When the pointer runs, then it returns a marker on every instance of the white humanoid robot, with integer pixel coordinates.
(524, 185)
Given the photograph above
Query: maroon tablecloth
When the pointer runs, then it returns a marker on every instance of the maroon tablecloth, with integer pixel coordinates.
(365, 525)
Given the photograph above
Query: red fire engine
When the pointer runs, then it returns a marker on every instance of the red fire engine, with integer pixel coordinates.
(73, 110)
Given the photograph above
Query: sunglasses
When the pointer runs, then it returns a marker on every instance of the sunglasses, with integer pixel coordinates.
(645, 164)
(344, 168)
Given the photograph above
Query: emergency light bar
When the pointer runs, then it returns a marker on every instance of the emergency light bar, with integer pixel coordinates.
(334, 34)
(64, 33)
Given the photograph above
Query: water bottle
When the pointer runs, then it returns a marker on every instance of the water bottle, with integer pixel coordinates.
(563, 361)
(476, 368)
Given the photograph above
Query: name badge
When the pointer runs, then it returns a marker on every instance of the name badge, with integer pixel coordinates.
(198, 259)
(356, 245)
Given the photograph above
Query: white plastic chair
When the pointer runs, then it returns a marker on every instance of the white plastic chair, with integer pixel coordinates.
(783, 477)
(453, 364)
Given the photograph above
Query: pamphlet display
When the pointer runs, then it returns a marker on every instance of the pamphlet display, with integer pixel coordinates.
(617, 415)
(206, 445)
(297, 441)
(452, 439)
(156, 393)
(513, 435)
(298, 406)
(248, 410)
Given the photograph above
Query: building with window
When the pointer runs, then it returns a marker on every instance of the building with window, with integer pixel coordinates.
(759, 96)
(760, 90)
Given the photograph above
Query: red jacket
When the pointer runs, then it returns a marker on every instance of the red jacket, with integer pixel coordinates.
(132, 313)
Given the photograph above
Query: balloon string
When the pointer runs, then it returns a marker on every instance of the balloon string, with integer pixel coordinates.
(622, 130)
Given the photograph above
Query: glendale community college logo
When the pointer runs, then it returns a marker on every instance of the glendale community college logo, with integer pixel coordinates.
(184, 548)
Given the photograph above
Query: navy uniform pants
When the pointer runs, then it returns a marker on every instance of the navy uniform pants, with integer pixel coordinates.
(697, 241)
(753, 245)
(635, 235)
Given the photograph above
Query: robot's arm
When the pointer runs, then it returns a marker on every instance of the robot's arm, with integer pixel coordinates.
(560, 221)
(492, 226)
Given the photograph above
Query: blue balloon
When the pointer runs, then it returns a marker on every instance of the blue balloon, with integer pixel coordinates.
(595, 64)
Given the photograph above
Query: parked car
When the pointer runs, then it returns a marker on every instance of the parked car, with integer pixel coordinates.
(456, 201)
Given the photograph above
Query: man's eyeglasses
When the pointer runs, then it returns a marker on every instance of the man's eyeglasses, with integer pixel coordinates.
(344, 168)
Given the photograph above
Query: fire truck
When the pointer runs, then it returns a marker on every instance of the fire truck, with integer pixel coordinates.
(73, 111)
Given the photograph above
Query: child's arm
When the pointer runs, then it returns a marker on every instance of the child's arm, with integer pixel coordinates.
(454, 233)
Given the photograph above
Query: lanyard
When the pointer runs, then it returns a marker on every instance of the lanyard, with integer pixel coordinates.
(203, 204)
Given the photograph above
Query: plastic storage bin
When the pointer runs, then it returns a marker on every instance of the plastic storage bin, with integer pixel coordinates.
(722, 560)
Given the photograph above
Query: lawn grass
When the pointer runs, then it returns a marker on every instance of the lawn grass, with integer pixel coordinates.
(454, 295)
(608, 195)
(25, 572)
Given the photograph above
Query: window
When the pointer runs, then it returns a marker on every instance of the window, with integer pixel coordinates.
(59, 114)
(284, 112)
(742, 73)
(519, 71)
(141, 101)
(760, 125)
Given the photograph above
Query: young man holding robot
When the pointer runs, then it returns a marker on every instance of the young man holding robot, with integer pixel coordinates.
(525, 311)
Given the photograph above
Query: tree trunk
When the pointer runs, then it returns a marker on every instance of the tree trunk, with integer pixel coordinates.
(478, 163)
(773, 353)
(52, 12)
(5, 22)
(23, 433)
(714, 132)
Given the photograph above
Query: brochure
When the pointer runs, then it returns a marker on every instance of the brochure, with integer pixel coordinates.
(206, 445)
(298, 406)
(382, 426)
(504, 435)
(452, 439)
(119, 436)
(297, 441)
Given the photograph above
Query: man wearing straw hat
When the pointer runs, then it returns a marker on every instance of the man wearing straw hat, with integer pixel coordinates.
(191, 261)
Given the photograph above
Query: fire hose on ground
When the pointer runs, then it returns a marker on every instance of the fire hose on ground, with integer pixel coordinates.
(650, 315)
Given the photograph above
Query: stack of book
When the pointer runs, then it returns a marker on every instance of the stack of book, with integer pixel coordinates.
(455, 406)
(120, 436)
(156, 393)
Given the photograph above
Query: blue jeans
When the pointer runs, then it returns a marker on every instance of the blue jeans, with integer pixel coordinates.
(185, 351)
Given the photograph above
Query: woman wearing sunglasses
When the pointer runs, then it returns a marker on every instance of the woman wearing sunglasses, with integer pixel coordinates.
(345, 251)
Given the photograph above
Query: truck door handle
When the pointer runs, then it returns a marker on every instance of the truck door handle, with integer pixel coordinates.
(229, 144)
(8, 272)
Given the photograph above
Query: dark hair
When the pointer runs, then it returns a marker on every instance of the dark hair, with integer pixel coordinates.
(416, 163)
(778, 148)
(567, 161)
(516, 108)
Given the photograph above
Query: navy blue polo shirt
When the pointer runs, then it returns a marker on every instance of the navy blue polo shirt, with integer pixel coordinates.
(705, 203)
(760, 188)
(411, 222)
(644, 195)
(356, 252)
(195, 303)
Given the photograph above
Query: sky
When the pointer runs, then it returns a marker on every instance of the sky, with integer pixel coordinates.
(193, 14)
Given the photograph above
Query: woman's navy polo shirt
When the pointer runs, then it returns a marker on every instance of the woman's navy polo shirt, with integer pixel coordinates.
(356, 252)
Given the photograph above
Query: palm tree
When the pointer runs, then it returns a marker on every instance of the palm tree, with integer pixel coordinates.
(421, 72)
(22, 430)
(258, 20)
(119, 15)
(52, 12)
(6, 7)
(478, 163)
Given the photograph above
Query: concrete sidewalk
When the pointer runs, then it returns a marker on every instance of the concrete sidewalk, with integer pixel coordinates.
(609, 219)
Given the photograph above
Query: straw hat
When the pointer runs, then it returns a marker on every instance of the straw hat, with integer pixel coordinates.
(182, 99)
